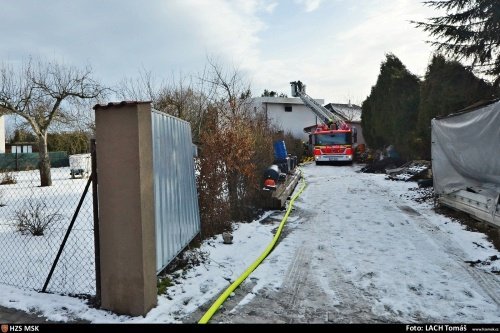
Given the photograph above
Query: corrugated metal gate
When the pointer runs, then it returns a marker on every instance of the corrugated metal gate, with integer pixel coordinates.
(176, 201)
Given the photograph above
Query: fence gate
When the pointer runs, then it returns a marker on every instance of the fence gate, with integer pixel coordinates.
(177, 215)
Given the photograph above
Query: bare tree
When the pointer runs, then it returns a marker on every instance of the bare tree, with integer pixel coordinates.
(38, 92)
(227, 90)
(235, 125)
(235, 141)
(144, 87)
(177, 97)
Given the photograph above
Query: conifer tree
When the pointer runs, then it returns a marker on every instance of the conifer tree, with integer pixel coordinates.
(469, 30)
(390, 112)
(447, 88)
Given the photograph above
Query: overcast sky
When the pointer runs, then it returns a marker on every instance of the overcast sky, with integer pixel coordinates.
(333, 46)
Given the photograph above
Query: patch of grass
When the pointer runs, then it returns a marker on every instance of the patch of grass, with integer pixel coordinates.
(163, 284)
(190, 257)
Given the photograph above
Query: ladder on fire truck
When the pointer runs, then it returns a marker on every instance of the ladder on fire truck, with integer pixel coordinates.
(328, 118)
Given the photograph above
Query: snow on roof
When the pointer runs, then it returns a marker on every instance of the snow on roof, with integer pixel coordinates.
(283, 100)
(350, 112)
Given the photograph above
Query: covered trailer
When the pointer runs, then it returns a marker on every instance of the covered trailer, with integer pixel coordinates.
(80, 165)
(466, 161)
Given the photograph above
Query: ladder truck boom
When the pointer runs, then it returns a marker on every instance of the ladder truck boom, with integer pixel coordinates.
(334, 139)
(326, 117)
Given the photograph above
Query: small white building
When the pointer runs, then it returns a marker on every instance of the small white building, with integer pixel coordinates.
(352, 115)
(2, 135)
(289, 114)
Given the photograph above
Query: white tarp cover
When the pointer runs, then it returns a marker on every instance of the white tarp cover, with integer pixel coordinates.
(466, 150)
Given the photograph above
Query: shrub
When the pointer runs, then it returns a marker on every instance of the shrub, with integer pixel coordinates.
(76, 142)
(295, 146)
(8, 178)
(35, 218)
(163, 284)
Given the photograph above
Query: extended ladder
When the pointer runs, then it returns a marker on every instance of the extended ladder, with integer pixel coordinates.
(326, 117)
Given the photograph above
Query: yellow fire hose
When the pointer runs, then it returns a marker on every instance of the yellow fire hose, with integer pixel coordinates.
(211, 311)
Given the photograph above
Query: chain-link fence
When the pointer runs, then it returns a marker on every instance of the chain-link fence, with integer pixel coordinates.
(33, 223)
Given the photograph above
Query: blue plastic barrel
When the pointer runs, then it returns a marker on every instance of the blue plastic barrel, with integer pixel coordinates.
(280, 152)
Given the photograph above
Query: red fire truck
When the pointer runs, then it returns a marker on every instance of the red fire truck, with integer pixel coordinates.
(331, 141)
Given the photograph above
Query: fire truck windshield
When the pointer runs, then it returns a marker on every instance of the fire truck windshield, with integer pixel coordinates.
(331, 139)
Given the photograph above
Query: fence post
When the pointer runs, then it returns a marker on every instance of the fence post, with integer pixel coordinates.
(66, 235)
(126, 207)
(95, 204)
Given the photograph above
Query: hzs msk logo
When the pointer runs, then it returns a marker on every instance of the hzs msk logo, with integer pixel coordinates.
(5, 328)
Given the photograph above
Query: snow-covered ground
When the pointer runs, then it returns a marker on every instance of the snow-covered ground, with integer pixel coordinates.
(355, 249)
(361, 251)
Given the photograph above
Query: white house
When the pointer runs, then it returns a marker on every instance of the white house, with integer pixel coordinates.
(352, 115)
(2, 135)
(289, 114)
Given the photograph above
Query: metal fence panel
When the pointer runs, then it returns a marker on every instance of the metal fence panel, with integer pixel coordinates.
(176, 201)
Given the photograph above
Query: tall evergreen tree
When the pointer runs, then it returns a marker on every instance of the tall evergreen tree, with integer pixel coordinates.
(470, 30)
(390, 112)
(448, 87)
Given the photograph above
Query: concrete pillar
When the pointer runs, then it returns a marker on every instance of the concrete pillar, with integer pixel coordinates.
(126, 207)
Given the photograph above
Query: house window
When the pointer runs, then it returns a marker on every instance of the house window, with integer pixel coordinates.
(288, 108)
(20, 149)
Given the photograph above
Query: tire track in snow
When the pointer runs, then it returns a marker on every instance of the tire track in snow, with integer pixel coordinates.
(325, 295)
(422, 239)
(487, 281)
(296, 277)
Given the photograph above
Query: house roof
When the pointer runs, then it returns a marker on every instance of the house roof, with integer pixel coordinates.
(349, 112)
(283, 100)
(118, 104)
